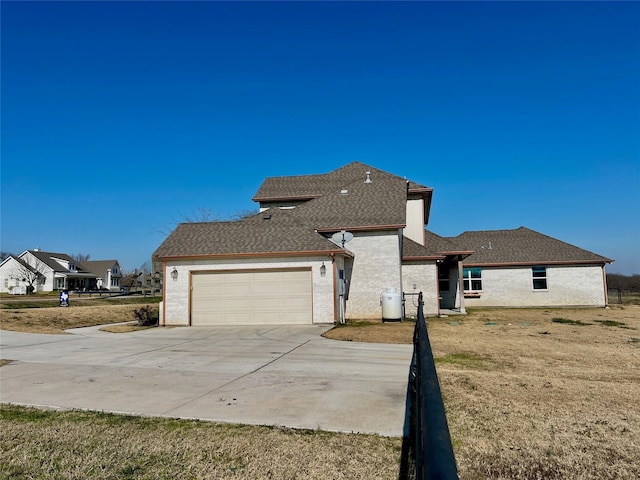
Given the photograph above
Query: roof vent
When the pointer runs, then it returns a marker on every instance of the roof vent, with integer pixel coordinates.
(368, 180)
(267, 216)
(344, 191)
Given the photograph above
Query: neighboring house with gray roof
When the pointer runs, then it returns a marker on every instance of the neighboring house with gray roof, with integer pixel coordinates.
(288, 264)
(50, 271)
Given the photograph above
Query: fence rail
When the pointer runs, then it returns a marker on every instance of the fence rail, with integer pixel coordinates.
(621, 295)
(427, 449)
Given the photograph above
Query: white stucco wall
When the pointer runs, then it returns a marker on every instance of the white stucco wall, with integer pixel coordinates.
(176, 297)
(415, 220)
(566, 286)
(376, 266)
(425, 278)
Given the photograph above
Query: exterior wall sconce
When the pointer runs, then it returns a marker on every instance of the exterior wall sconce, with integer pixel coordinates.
(323, 270)
(174, 274)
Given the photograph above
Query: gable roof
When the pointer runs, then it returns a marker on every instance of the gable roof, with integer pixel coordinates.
(20, 262)
(339, 200)
(521, 246)
(97, 267)
(343, 200)
(435, 247)
(48, 259)
(275, 232)
(305, 187)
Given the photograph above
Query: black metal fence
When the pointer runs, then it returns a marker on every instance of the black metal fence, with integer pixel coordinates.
(427, 452)
(623, 296)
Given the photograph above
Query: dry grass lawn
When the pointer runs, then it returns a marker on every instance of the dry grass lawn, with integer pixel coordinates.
(55, 320)
(81, 445)
(529, 394)
(537, 393)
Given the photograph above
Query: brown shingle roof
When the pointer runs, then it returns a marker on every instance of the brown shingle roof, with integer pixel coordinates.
(337, 200)
(313, 186)
(520, 246)
(269, 232)
(355, 204)
(97, 267)
(48, 259)
(435, 246)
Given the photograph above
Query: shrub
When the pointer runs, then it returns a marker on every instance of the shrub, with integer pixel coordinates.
(146, 315)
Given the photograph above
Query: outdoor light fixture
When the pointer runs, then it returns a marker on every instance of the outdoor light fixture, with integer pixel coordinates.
(174, 274)
(323, 270)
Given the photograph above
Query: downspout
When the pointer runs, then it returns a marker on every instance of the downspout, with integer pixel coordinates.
(400, 240)
(461, 286)
(335, 291)
(604, 283)
(438, 296)
(164, 293)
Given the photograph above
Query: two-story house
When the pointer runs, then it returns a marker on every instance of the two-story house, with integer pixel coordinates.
(323, 248)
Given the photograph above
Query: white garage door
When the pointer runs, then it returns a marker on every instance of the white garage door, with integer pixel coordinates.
(251, 297)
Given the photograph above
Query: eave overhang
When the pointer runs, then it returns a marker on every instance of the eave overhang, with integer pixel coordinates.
(337, 251)
(427, 194)
(281, 198)
(527, 264)
(361, 228)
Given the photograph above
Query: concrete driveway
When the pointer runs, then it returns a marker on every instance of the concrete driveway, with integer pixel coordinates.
(267, 375)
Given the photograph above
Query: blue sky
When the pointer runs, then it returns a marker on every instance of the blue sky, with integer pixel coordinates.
(121, 118)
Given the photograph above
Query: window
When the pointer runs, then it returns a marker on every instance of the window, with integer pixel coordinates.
(539, 278)
(472, 278)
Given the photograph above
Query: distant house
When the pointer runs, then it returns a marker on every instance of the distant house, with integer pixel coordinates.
(48, 271)
(331, 246)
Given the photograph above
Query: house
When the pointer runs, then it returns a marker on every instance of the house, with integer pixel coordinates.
(524, 268)
(108, 274)
(324, 248)
(48, 271)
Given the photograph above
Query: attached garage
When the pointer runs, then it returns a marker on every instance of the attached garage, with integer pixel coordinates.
(252, 297)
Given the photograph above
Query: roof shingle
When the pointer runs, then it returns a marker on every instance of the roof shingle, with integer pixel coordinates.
(520, 246)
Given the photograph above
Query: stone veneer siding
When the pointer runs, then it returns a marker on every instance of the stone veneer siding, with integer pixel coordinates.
(177, 295)
(566, 286)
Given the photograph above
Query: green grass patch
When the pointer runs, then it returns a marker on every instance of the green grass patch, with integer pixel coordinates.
(466, 360)
(613, 323)
(355, 323)
(567, 321)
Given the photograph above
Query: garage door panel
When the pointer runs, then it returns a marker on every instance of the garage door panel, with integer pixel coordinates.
(259, 297)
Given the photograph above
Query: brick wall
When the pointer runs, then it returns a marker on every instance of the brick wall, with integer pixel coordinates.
(566, 286)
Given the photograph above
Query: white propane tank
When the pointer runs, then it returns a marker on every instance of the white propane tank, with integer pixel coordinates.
(391, 300)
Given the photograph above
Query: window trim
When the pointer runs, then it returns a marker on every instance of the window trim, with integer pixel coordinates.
(538, 275)
(468, 279)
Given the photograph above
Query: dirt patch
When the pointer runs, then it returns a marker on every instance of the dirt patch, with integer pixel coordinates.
(125, 328)
(373, 332)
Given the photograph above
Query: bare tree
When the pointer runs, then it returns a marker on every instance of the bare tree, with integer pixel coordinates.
(35, 271)
(5, 255)
(81, 257)
(204, 215)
